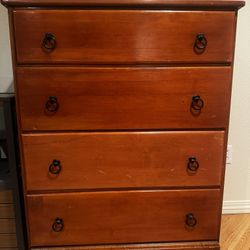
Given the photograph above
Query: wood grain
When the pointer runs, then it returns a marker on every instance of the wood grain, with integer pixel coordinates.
(123, 217)
(7, 211)
(146, 32)
(6, 196)
(235, 232)
(8, 241)
(234, 236)
(123, 98)
(7, 226)
(211, 4)
(132, 36)
(9, 248)
(206, 245)
(115, 160)
(7, 221)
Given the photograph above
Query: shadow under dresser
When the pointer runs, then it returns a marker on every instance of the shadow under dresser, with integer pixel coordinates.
(123, 110)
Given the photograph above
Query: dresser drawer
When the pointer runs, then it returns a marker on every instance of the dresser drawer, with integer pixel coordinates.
(125, 216)
(123, 36)
(123, 98)
(114, 160)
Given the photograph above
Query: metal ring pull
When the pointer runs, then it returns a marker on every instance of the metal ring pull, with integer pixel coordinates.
(197, 103)
(200, 43)
(191, 221)
(58, 225)
(55, 167)
(49, 42)
(52, 104)
(193, 164)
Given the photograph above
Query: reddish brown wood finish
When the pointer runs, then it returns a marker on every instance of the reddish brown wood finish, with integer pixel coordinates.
(120, 217)
(145, 32)
(115, 160)
(206, 245)
(123, 36)
(211, 4)
(123, 98)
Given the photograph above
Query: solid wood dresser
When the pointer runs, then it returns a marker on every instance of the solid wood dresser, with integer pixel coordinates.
(123, 111)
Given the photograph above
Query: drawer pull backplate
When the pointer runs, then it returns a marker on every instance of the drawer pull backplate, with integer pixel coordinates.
(52, 104)
(193, 164)
(191, 221)
(49, 42)
(200, 43)
(58, 225)
(55, 167)
(197, 103)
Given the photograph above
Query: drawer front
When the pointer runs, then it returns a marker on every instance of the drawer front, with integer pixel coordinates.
(123, 217)
(123, 98)
(123, 36)
(115, 160)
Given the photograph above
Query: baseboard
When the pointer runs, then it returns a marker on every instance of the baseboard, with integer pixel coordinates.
(236, 207)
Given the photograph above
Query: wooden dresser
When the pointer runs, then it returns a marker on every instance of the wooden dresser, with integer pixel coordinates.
(123, 110)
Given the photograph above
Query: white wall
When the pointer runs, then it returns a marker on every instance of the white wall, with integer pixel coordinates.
(6, 78)
(237, 183)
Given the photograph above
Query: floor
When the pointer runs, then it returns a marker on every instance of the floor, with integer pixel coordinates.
(235, 230)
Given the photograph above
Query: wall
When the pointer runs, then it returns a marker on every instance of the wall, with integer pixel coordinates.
(237, 184)
(6, 82)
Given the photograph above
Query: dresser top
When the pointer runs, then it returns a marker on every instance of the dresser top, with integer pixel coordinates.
(182, 4)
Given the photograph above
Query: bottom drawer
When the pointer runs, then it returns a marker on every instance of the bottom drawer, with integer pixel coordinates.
(123, 217)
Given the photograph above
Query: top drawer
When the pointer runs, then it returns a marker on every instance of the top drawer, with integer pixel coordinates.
(123, 36)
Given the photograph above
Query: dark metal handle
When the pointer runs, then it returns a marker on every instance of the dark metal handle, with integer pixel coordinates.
(197, 103)
(58, 225)
(193, 164)
(55, 167)
(49, 42)
(200, 43)
(52, 104)
(191, 221)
